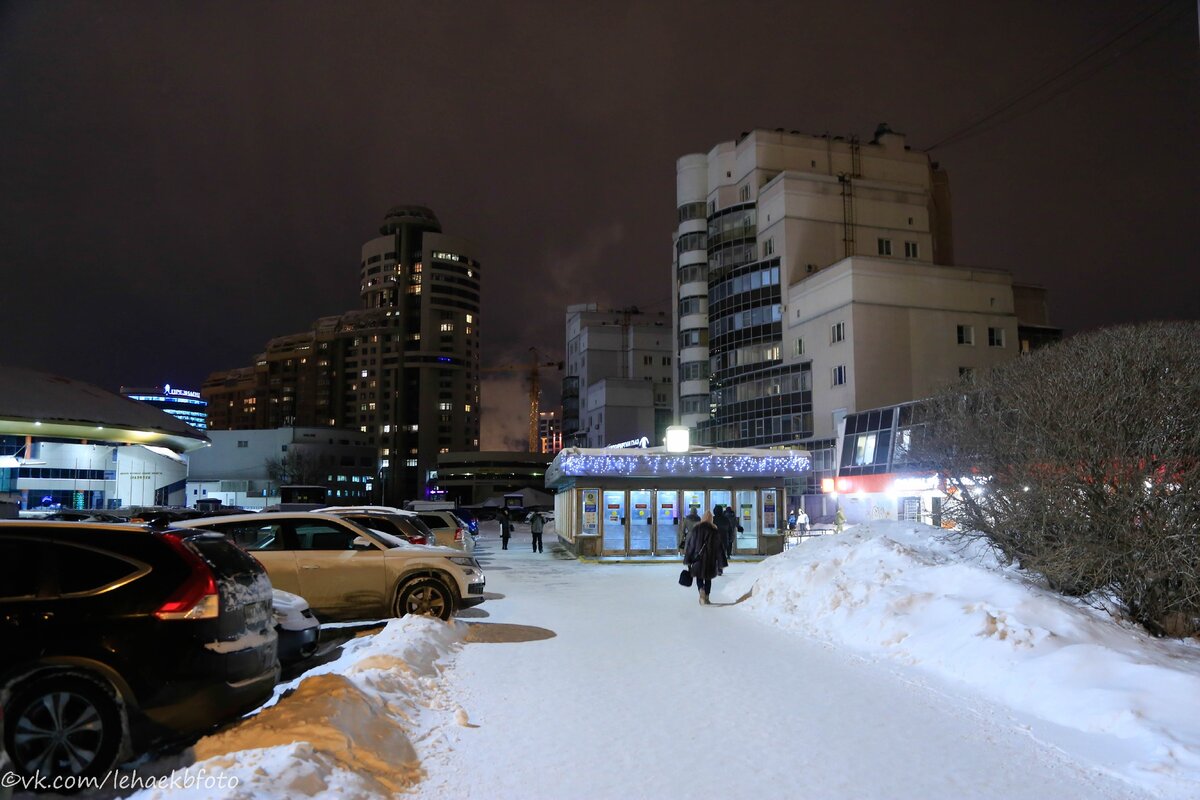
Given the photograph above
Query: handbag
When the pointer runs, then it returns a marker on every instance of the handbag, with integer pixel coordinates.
(685, 577)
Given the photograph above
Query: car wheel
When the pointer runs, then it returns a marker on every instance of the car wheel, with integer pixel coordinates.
(63, 725)
(427, 596)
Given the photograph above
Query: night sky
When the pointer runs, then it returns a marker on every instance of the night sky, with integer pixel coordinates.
(180, 182)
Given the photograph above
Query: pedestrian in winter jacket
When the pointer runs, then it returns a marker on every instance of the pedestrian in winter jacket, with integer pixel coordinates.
(536, 524)
(724, 524)
(705, 555)
(734, 525)
(689, 524)
(505, 529)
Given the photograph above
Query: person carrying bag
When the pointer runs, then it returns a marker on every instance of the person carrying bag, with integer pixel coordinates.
(704, 555)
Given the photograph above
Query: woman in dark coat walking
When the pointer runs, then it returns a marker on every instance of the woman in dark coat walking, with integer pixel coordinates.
(705, 555)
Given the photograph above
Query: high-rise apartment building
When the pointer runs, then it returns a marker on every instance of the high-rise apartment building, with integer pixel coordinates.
(813, 277)
(619, 370)
(404, 369)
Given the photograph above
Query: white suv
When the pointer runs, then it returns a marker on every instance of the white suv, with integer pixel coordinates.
(346, 571)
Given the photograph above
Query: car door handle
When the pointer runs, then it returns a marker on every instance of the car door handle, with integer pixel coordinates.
(311, 566)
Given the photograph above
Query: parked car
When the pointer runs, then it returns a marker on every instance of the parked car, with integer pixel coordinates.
(448, 530)
(83, 516)
(297, 627)
(115, 638)
(468, 516)
(346, 571)
(410, 529)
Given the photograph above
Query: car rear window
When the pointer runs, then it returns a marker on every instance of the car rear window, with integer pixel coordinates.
(433, 521)
(19, 574)
(224, 557)
(81, 570)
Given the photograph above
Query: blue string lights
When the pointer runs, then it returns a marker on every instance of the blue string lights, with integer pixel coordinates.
(641, 464)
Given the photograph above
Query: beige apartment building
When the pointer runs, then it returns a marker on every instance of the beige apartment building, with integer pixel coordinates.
(813, 277)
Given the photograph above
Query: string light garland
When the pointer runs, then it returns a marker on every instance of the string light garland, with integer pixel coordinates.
(635, 464)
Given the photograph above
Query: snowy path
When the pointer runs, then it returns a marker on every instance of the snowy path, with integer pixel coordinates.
(610, 681)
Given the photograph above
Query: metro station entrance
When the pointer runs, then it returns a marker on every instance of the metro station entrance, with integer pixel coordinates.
(649, 522)
(631, 502)
(641, 522)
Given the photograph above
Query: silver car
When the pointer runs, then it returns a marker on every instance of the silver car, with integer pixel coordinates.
(346, 571)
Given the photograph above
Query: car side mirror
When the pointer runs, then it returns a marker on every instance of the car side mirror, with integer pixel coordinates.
(362, 543)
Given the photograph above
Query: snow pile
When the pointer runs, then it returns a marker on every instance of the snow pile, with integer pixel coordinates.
(895, 590)
(348, 728)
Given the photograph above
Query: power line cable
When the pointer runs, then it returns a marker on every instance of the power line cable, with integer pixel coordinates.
(1152, 35)
(962, 133)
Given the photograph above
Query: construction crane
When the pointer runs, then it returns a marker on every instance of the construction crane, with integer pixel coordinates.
(535, 388)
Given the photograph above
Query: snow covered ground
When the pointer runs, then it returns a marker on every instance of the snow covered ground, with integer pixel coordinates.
(876, 664)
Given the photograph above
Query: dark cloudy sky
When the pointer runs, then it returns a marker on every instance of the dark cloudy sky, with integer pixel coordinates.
(179, 182)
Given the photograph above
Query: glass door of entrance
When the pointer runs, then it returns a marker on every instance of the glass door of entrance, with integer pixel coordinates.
(746, 507)
(613, 523)
(641, 522)
(667, 519)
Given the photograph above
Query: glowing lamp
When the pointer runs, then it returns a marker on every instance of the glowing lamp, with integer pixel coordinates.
(679, 439)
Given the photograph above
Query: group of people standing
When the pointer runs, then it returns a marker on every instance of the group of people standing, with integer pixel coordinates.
(537, 524)
(707, 545)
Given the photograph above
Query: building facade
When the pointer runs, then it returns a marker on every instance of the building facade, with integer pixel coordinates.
(619, 373)
(182, 404)
(472, 478)
(68, 444)
(812, 277)
(549, 432)
(246, 467)
(403, 369)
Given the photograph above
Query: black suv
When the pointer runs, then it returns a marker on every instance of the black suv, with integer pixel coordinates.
(115, 638)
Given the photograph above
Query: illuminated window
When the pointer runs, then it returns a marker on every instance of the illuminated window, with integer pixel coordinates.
(387, 428)
(364, 373)
(412, 462)
(413, 290)
(444, 406)
(467, 407)
(470, 318)
(447, 326)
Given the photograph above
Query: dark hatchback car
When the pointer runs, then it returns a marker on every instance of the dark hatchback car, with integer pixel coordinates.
(117, 638)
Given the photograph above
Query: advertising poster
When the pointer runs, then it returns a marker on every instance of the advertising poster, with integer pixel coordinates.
(591, 511)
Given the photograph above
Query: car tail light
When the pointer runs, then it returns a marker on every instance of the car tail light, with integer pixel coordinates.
(419, 540)
(197, 597)
(458, 534)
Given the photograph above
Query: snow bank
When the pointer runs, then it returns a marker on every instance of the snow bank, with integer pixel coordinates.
(348, 727)
(895, 590)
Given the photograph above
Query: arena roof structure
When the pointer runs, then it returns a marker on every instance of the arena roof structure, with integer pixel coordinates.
(50, 406)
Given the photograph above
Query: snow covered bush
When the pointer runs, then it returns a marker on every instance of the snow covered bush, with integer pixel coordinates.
(1081, 462)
